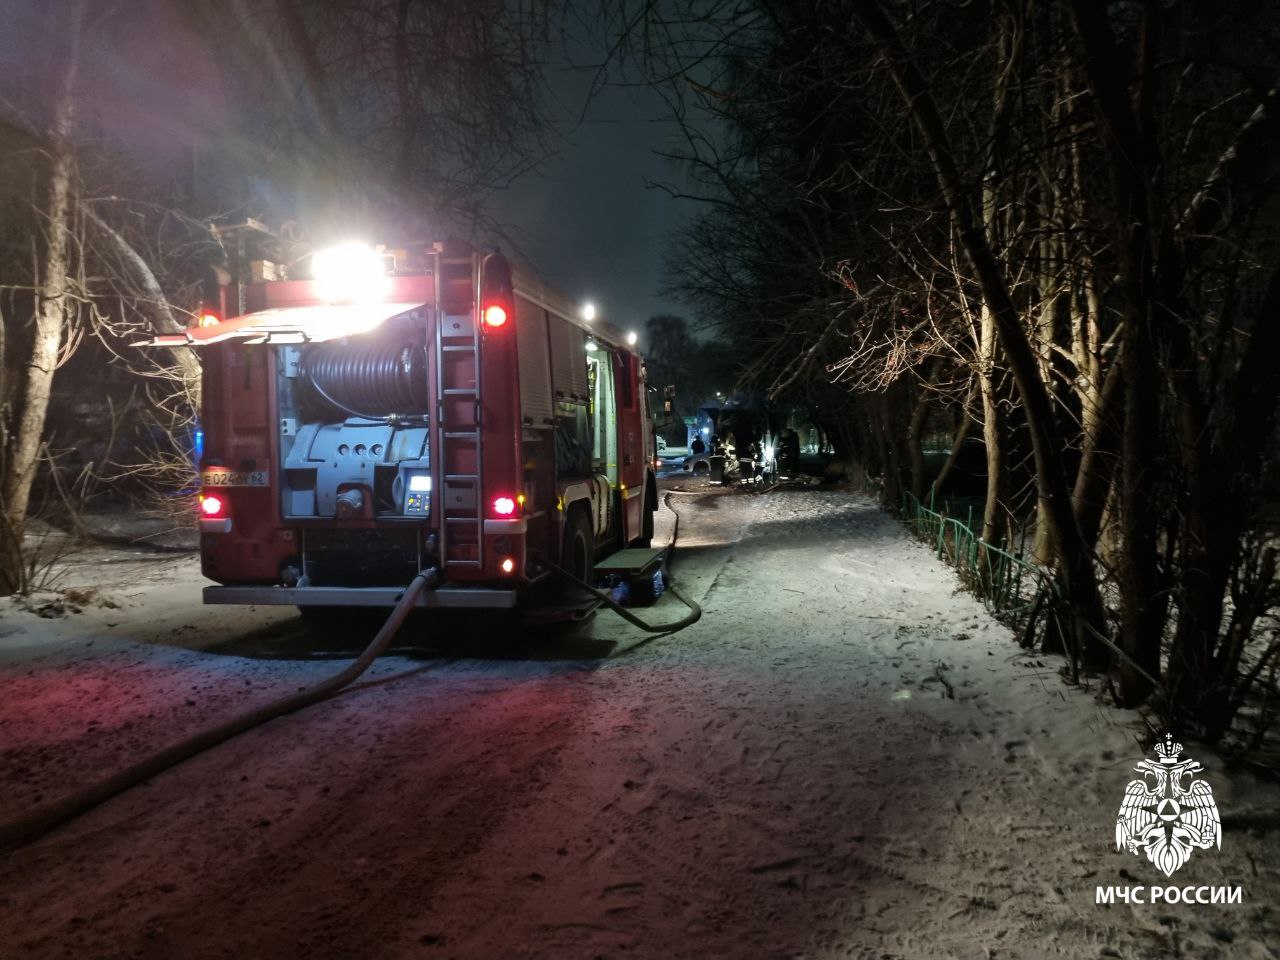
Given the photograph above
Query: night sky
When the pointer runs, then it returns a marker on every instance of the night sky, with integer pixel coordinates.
(593, 228)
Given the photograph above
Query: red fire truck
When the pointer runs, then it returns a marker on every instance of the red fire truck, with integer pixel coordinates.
(399, 409)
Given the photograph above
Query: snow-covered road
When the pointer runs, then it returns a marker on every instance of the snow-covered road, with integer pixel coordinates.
(846, 757)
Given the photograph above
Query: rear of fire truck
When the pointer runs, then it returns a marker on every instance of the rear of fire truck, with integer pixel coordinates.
(381, 414)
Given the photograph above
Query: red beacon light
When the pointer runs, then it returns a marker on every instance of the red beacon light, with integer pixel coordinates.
(504, 506)
(208, 319)
(495, 316)
(212, 506)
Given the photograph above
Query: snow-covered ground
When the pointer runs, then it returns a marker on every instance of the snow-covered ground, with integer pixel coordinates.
(846, 757)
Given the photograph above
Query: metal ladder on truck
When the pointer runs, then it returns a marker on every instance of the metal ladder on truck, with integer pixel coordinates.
(458, 415)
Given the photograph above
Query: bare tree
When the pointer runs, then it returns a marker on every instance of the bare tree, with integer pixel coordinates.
(52, 305)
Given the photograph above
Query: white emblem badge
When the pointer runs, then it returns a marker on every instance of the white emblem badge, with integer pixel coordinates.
(1162, 817)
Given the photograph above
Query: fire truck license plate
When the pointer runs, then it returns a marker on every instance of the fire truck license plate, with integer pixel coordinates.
(226, 478)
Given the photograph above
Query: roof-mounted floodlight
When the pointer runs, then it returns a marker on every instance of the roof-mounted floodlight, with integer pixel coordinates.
(349, 273)
(588, 311)
(632, 338)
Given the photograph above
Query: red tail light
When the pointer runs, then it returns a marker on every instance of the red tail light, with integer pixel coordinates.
(508, 565)
(504, 506)
(212, 505)
(495, 316)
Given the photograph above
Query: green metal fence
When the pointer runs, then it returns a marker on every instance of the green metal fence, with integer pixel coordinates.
(1011, 588)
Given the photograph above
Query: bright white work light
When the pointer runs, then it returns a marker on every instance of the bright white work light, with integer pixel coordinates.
(632, 337)
(350, 273)
(588, 311)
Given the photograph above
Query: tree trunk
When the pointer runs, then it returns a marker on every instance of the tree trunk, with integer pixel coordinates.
(957, 444)
(1141, 609)
(915, 447)
(1099, 454)
(1044, 548)
(1099, 393)
(32, 402)
(994, 520)
(1133, 164)
(890, 445)
(4, 389)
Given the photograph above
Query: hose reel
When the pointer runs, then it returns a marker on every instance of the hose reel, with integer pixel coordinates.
(372, 380)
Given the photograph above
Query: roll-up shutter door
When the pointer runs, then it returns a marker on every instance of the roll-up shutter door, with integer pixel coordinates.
(568, 359)
(535, 366)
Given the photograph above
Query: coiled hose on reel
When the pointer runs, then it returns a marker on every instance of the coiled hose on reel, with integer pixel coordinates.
(369, 380)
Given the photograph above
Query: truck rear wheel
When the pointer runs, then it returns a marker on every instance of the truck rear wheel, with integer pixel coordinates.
(578, 554)
(650, 507)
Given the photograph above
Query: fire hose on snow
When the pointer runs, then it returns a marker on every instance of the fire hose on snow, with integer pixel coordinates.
(695, 611)
(36, 824)
(32, 826)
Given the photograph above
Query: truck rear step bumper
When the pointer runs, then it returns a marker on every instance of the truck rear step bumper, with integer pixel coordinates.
(455, 597)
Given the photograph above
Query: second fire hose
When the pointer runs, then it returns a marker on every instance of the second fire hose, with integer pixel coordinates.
(695, 611)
